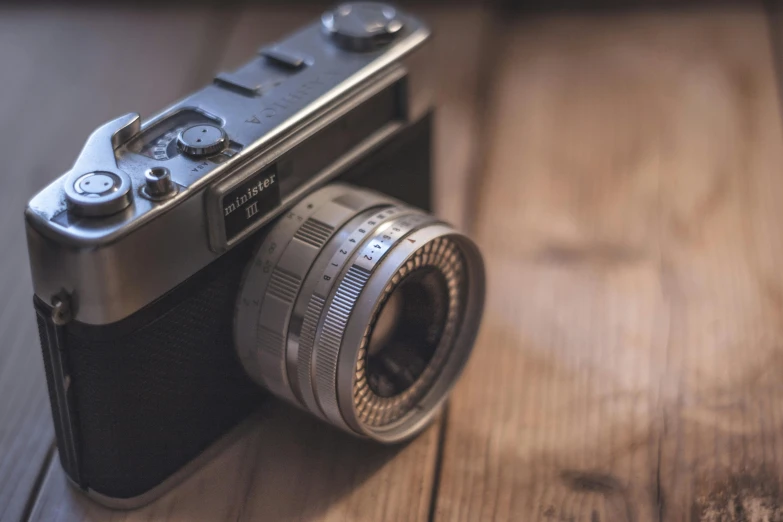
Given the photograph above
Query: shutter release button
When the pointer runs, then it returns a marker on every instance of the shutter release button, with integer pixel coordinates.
(98, 193)
(97, 184)
(202, 140)
(93, 187)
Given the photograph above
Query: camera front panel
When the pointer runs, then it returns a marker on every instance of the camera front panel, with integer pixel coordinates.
(148, 394)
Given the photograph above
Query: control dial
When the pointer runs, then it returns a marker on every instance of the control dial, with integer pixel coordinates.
(202, 140)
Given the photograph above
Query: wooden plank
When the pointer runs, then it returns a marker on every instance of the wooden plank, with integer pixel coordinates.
(289, 466)
(64, 73)
(628, 367)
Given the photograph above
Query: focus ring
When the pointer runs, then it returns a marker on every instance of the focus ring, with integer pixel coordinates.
(275, 278)
(304, 360)
(330, 337)
(321, 283)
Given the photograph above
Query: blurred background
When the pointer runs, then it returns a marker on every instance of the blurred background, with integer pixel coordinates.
(619, 163)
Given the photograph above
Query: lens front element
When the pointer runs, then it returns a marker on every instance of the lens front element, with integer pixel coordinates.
(360, 310)
(407, 343)
(406, 332)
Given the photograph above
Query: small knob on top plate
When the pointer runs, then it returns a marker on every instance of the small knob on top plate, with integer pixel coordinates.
(158, 184)
(202, 140)
(362, 26)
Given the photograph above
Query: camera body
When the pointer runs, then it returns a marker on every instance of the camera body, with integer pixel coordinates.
(138, 253)
(135, 401)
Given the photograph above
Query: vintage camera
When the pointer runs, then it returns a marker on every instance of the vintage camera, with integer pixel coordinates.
(186, 265)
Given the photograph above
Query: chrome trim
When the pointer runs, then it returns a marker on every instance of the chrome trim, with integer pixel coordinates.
(344, 303)
(373, 291)
(312, 298)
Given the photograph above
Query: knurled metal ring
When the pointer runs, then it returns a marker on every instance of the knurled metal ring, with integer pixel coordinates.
(319, 286)
(340, 307)
(276, 274)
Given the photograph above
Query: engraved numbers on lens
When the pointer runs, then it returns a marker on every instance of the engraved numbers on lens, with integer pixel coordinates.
(379, 245)
(338, 260)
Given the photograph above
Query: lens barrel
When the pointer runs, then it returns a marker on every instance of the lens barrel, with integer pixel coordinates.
(360, 310)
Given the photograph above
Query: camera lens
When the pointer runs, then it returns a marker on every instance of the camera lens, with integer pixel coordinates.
(406, 332)
(361, 310)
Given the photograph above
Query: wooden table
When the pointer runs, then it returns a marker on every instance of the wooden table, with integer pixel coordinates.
(623, 173)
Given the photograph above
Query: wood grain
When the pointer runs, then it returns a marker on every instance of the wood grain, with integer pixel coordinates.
(290, 467)
(629, 365)
(64, 73)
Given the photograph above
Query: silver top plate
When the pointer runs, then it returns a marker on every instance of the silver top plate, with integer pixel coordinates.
(118, 262)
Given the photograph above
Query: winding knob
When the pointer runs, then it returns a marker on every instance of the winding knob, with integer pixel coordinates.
(361, 26)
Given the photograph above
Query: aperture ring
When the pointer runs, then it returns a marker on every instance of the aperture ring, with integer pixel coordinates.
(330, 334)
(319, 289)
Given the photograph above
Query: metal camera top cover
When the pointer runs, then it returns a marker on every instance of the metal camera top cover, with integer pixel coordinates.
(160, 193)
